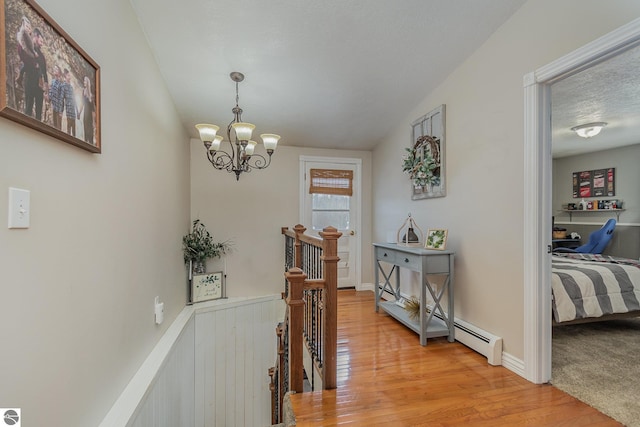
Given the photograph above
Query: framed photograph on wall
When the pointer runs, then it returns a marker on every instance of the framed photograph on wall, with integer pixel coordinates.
(425, 161)
(48, 82)
(207, 286)
(436, 239)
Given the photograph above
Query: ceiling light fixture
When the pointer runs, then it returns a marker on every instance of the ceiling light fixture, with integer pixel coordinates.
(589, 129)
(241, 157)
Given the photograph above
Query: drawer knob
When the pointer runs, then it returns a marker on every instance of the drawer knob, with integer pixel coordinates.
(406, 260)
(385, 254)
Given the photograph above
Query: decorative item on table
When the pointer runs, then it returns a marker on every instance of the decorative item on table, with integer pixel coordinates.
(207, 286)
(436, 239)
(412, 306)
(198, 246)
(408, 233)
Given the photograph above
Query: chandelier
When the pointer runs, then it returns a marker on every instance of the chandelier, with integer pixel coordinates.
(241, 157)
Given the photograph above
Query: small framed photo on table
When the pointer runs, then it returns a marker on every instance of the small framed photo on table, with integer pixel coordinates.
(436, 239)
(207, 286)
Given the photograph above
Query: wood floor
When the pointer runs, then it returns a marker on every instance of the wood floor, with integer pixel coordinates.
(385, 378)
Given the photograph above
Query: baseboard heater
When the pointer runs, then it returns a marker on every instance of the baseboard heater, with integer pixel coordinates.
(473, 337)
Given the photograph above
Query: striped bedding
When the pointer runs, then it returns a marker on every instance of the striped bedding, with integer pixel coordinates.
(588, 285)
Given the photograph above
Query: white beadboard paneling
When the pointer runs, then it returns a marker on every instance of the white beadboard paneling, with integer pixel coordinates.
(209, 369)
(238, 346)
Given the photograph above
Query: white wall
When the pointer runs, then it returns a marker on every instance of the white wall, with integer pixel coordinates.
(251, 212)
(483, 209)
(77, 287)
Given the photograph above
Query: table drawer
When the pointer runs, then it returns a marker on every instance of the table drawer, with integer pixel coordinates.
(386, 255)
(409, 261)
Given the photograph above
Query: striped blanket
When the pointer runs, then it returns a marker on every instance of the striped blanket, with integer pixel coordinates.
(588, 285)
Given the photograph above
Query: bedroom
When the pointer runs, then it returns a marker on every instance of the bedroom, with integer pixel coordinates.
(601, 93)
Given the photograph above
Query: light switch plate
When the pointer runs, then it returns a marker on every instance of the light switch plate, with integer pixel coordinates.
(19, 208)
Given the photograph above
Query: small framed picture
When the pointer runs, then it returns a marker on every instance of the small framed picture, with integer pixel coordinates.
(436, 239)
(207, 286)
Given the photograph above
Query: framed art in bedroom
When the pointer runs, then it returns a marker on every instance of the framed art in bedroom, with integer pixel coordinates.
(47, 81)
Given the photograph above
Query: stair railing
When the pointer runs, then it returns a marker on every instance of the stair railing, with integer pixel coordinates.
(311, 283)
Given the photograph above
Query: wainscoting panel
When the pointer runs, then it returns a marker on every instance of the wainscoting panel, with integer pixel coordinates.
(170, 400)
(235, 347)
(209, 369)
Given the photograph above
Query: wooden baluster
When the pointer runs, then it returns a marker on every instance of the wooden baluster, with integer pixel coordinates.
(299, 230)
(295, 302)
(272, 388)
(330, 260)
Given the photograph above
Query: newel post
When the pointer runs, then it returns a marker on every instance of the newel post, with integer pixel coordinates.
(299, 230)
(330, 259)
(295, 304)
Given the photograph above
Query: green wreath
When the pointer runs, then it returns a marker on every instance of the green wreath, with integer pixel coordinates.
(420, 165)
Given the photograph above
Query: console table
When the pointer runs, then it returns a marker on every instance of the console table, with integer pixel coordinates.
(427, 263)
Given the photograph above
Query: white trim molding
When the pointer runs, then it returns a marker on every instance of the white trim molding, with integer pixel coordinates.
(537, 188)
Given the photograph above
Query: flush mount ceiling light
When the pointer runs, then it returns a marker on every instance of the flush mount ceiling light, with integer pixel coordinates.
(241, 156)
(589, 129)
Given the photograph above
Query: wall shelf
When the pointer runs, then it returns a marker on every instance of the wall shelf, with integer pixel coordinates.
(592, 211)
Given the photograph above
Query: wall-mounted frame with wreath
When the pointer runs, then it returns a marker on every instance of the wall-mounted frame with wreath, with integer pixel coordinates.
(424, 161)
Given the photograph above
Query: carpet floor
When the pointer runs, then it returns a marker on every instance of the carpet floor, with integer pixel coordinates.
(599, 364)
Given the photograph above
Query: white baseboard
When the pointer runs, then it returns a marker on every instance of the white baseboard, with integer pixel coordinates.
(513, 364)
(365, 287)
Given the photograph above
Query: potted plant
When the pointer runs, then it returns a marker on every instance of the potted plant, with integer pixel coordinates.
(198, 246)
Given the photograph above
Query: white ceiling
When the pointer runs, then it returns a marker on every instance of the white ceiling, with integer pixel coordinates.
(605, 92)
(334, 74)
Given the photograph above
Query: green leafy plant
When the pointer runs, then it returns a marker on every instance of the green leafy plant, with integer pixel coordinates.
(198, 246)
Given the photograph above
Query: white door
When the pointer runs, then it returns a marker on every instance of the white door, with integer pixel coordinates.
(340, 211)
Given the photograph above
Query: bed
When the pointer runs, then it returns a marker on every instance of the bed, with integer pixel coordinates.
(589, 287)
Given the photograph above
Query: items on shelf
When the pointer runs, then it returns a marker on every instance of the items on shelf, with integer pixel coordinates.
(593, 205)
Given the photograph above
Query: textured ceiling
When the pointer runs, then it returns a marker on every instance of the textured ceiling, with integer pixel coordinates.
(605, 92)
(335, 74)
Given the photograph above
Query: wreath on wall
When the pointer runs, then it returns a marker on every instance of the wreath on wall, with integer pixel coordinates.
(420, 164)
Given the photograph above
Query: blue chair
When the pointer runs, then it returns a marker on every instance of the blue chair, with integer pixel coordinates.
(598, 240)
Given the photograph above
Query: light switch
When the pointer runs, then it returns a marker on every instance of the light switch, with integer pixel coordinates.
(19, 208)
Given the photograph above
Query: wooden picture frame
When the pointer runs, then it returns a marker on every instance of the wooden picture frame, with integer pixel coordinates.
(436, 239)
(431, 125)
(64, 105)
(207, 286)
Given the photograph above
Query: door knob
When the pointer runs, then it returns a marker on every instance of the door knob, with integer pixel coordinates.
(352, 233)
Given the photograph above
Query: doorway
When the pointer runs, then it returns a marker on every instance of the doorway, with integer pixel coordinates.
(538, 191)
(335, 202)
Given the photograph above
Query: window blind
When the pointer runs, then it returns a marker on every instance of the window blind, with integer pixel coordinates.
(331, 181)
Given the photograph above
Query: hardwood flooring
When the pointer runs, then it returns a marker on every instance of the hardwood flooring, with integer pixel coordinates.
(385, 378)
